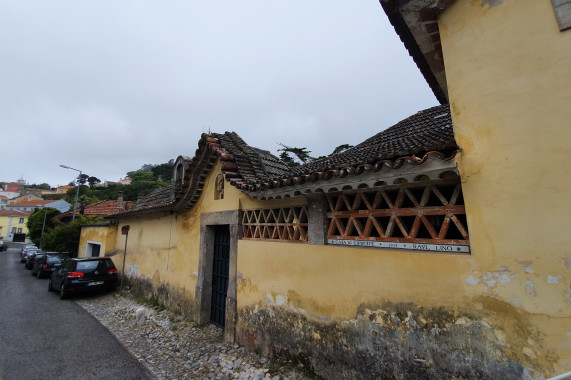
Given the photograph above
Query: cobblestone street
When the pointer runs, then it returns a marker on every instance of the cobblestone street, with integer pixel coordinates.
(172, 347)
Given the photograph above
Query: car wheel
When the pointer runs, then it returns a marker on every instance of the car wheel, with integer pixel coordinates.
(32, 273)
(39, 275)
(50, 285)
(62, 293)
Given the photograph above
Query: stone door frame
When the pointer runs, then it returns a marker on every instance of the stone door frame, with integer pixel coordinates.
(203, 293)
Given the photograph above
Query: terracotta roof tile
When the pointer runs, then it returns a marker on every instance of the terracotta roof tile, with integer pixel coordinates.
(38, 203)
(157, 199)
(427, 130)
(413, 140)
(102, 208)
(19, 213)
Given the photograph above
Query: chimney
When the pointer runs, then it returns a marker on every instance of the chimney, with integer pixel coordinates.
(120, 200)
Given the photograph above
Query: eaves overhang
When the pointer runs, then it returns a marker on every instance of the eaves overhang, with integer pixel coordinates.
(416, 23)
(387, 172)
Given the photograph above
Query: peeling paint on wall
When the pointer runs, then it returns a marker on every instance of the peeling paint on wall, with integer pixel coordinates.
(553, 279)
(176, 299)
(492, 3)
(282, 300)
(526, 264)
(472, 280)
(500, 277)
(133, 270)
(402, 341)
(530, 288)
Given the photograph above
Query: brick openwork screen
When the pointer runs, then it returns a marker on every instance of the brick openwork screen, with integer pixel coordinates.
(282, 224)
(420, 212)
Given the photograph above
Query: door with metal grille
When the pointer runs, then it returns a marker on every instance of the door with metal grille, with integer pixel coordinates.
(220, 271)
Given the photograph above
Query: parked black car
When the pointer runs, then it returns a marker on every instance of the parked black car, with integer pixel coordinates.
(32, 259)
(83, 275)
(3, 246)
(46, 264)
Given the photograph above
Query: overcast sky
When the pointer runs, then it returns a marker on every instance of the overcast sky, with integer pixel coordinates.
(106, 86)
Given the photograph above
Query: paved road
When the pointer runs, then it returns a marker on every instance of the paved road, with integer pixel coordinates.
(43, 337)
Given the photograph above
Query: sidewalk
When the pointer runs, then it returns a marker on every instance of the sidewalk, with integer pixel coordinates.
(172, 347)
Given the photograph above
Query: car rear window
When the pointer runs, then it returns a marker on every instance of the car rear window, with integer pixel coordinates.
(53, 259)
(107, 264)
(87, 265)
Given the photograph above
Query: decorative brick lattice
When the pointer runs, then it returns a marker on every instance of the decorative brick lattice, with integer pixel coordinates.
(282, 224)
(420, 212)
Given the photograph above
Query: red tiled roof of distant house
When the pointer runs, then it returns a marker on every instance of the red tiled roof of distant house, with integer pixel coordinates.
(37, 203)
(15, 213)
(102, 208)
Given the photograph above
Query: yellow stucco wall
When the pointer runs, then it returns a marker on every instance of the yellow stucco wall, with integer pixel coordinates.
(508, 70)
(104, 235)
(9, 222)
(330, 283)
(163, 249)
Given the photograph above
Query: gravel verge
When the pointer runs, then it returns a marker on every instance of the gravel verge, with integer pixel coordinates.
(172, 347)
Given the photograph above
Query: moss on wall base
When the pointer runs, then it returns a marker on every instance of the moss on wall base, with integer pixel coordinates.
(396, 341)
(171, 298)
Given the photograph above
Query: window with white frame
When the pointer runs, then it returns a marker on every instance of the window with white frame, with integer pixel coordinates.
(93, 249)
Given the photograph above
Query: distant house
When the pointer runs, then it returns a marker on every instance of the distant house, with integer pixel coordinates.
(9, 194)
(14, 187)
(30, 197)
(60, 205)
(3, 202)
(13, 225)
(64, 189)
(122, 181)
(102, 208)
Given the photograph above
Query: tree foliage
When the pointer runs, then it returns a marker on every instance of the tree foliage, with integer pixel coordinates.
(294, 156)
(93, 181)
(341, 148)
(64, 237)
(43, 186)
(35, 222)
(163, 172)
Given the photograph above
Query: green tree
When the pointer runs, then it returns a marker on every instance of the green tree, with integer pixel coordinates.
(301, 154)
(163, 172)
(341, 148)
(82, 179)
(43, 186)
(35, 223)
(93, 181)
(64, 237)
(143, 183)
(140, 176)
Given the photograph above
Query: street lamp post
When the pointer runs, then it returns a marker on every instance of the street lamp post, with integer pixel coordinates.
(43, 227)
(77, 194)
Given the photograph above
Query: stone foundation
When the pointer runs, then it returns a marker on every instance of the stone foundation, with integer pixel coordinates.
(173, 299)
(395, 341)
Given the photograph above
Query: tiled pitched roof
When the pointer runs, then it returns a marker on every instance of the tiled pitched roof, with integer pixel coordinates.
(18, 213)
(426, 134)
(156, 200)
(427, 130)
(102, 208)
(247, 164)
(38, 203)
